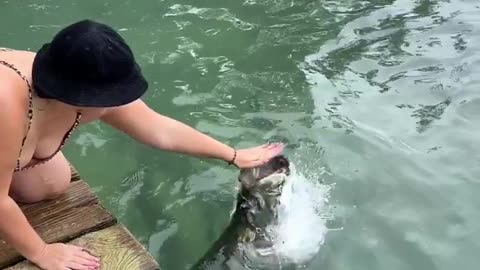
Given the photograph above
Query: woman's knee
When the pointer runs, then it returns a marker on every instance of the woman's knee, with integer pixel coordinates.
(56, 186)
(44, 182)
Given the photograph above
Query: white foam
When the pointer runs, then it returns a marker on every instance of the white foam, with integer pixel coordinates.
(303, 214)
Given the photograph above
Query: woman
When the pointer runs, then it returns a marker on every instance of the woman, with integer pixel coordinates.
(86, 73)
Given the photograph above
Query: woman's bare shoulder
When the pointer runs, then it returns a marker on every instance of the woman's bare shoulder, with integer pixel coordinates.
(13, 63)
(14, 101)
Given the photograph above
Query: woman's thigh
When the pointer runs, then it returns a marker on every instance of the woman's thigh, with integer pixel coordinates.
(43, 182)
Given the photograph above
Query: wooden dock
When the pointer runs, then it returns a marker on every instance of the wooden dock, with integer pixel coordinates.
(78, 218)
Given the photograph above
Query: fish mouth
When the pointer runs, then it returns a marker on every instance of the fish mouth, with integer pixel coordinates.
(258, 176)
(281, 171)
(273, 184)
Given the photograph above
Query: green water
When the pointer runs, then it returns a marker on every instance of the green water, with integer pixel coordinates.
(382, 95)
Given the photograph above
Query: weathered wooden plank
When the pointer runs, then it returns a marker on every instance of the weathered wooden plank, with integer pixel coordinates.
(116, 248)
(73, 214)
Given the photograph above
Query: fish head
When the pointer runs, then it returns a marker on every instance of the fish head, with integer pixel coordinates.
(265, 182)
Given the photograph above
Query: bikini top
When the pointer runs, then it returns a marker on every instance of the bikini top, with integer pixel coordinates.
(30, 116)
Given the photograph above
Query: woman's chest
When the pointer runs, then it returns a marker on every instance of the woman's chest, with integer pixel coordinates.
(47, 135)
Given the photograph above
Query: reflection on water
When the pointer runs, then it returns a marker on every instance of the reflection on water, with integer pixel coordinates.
(380, 97)
(394, 80)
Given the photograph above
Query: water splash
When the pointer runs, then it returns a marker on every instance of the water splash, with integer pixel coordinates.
(303, 214)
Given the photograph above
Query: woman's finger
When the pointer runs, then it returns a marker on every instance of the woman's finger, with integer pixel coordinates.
(80, 259)
(77, 266)
(272, 151)
(85, 253)
(88, 256)
(277, 147)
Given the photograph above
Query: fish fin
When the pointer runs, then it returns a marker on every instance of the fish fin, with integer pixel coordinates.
(260, 200)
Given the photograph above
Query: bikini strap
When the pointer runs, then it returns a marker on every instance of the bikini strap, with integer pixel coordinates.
(69, 133)
(30, 106)
(64, 141)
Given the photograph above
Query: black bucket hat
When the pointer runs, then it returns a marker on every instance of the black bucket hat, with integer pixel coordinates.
(88, 64)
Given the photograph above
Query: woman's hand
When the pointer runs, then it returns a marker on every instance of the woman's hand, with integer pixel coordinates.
(256, 156)
(65, 257)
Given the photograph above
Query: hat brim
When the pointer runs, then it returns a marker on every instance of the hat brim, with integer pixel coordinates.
(83, 93)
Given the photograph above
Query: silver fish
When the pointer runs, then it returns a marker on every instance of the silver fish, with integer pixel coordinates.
(246, 238)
